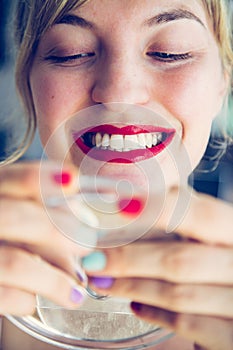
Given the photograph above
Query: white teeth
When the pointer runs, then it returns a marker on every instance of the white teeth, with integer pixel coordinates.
(106, 140)
(142, 140)
(93, 140)
(155, 139)
(131, 142)
(98, 139)
(117, 142)
(149, 140)
(124, 143)
(159, 136)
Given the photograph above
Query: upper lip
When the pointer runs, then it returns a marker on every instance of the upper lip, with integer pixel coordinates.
(124, 130)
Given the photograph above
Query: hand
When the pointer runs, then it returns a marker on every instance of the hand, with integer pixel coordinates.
(35, 258)
(185, 285)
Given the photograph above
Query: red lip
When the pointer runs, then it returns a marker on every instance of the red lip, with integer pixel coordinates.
(132, 156)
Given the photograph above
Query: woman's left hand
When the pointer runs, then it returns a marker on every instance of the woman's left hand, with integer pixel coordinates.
(185, 285)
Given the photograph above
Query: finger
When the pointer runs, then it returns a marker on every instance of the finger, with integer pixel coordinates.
(205, 218)
(210, 333)
(27, 272)
(16, 302)
(186, 298)
(25, 180)
(25, 223)
(187, 262)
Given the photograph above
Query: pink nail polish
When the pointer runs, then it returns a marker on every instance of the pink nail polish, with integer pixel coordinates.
(131, 206)
(63, 178)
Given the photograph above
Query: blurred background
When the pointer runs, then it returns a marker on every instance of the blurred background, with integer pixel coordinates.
(12, 123)
(213, 177)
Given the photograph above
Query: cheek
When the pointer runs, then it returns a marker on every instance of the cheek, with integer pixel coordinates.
(193, 97)
(56, 97)
(194, 94)
(58, 94)
(47, 100)
(51, 97)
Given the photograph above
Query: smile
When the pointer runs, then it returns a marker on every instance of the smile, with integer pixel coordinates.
(128, 144)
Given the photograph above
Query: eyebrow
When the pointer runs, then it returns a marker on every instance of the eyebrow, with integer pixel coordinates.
(172, 15)
(75, 21)
(163, 17)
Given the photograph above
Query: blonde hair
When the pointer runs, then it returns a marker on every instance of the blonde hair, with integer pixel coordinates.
(220, 12)
(35, 17)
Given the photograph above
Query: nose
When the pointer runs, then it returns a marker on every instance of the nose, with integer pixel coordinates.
(120, 79)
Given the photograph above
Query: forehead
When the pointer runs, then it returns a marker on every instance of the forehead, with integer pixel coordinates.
(115, 11)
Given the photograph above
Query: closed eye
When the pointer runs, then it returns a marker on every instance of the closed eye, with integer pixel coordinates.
(65, 59)
(168, 57)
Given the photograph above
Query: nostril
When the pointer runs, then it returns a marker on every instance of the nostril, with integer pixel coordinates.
(119, 88)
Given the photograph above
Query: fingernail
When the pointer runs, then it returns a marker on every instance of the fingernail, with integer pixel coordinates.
(87, 216)
(80, 273)
(95, 261)
(76, 296)
(136, 307)
(102, 282)
(62, 178)
(81, 276)
(130, 206)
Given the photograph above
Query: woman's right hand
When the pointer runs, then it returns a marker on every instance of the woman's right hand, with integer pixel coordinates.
(35, 258)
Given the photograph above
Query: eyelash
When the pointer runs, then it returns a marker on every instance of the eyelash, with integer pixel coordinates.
(168, 57)
(156, 55)
(65, 59)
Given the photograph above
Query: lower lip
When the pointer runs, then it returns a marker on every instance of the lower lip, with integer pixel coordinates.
(133, 156)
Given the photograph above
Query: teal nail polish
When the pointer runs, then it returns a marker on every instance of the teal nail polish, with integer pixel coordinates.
(95, 261)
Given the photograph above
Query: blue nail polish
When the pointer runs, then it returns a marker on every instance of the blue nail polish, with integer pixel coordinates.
(104, 282)
(95, 261)
(76, 296)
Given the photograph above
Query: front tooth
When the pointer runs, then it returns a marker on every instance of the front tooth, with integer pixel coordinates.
(131, 142)
(106, 140)
(98, 139)
(149, 140)
(141, 140)
(117, 142)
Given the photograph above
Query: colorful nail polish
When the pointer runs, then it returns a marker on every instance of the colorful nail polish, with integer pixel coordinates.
(104, 282)
(76, 296)
(136, 307)
(81, 276)
(63, 178)
(130, 206)
(95, 261)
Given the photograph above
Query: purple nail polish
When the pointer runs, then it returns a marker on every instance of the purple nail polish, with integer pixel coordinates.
(76, 296)
(102, 282)
(80, 277)
(136, 307)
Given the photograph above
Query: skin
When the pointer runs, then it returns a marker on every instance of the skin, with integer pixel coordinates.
(124, 73)
(187, 94)
(35, 259)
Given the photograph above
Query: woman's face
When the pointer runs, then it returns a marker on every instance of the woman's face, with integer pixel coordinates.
(159, 55)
